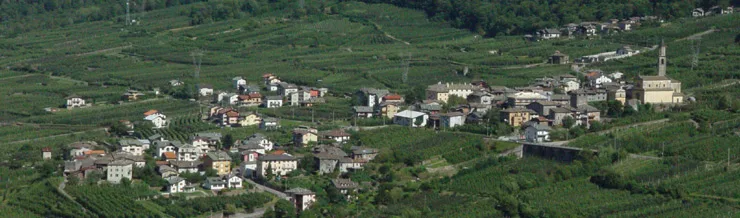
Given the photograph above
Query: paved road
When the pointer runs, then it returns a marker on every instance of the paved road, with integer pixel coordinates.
(268, 189)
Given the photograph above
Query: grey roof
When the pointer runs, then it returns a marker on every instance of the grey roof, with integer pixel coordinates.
(587, 108)
(269, 119)
(274, 97)
(546, 103)
(340, 183)
(650, 78)
(430, 107)
(154, 137)
(174, 180)
(551, 31)
(363, 150)
(540, 127)
(362, 109)
(130, 142)
(515, 110)
(559, 110)
(209, 135)
(453, 114)
(219, 156)
(276, 157)
(215, 180)
(437, 87)
(185, 164)
(561, 97)
(84, 144)
(205, 86)
(299, 191)
(374, 91)
(165, 168)
(120, 162)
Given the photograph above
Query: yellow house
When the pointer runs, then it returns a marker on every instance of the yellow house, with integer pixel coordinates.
(251, 119)
(516, 116)
(304, 136)
(388, 110)
(438, 92)
(219, 161)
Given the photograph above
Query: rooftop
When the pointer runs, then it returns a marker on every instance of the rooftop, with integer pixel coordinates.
(219, 156)
(409, 114)
(340, 183)
(277, 157)
(362, 109)
(299, 191)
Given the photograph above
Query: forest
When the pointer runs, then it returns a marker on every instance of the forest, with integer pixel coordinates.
(507, 17)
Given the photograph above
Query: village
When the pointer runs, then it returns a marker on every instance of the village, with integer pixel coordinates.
(533, 112)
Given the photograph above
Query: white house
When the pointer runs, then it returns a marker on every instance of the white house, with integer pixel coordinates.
(338, 135)
(571, 85)
(205, 90)
(238, 81)
(79, 148)
(616, 75)
(214, 183)
(273, 101)
(697, 12)
(548, 33)
(452, 119)
(158, 119)
(176, 184)
(286, 88)
(411, 118)
(134, 146)
(233, 181)
(118, 170)
(259, 140)
(279, 164)
(75, 101)
(175, 82)
(269, 123)
(187, 152)
(537, 133)
(302, 198)
(185, 166)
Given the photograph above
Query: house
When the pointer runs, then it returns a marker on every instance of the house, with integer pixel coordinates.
(166, 146)
(185, 166)
(252, 99)
(597, 78)
(548, 34)
(214, 183)
(516, 116)
(228, 98)
(201, 143)
(558, 58)
(537, 133)
(269, 123)
(659, 89)
(480, 98)
(301, 198)
(274, 101)
(119, 169)
(238, 81)
(338, 135)
(523, 98)
(46, 153)
(430, 108)
(587, 29)
(269, 79)
(393, 98)
(362, 111)
(157, 119)
(570, 85)
(169, 155)
(438, 92)
(728, 10)
(276, 164)
(128, 126)
(175, 82)
(616, 75)
(212, 138)
(233, 181)
(697, 12)
(346, 186)
(205, 90)
(295, 98)
(461, 90)
(224, 116)
(583, 96)
(543, 107)
(131, 95)
(624, 26)
(589, 112)
(248, 89)
(167, 171)
(302, 136)
(259, 140)
(188, 152)
(286, 88)
(133, 146)
(371, 97)
(155, 137)
(219, 161)
(77, 149)
(616, 94)
(74, 101)
(452, 119)
(411, 118)
(327, 162)
(557, 115)
(250, 119)
(363, 153)
(176, 184)
(388, 110)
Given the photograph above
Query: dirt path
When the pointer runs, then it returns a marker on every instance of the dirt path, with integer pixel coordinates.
(695, 36)
(378, 28)
(104, 50)
(19, 76)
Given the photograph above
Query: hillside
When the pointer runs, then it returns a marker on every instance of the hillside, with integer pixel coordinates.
(675, 169)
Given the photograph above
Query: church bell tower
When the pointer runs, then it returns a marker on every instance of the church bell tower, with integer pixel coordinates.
(661, 59)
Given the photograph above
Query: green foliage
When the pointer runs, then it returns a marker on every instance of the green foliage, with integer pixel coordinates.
(283, 209)
(181, 207)
(412, 145)
(43, 199)
(112, 200)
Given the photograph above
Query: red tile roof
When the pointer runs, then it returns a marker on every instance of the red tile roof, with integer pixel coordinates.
(150, 112)
(278, 152)
(243, 97)
(91, 152)
(255, 95)
(47, 149)
(161, 162)
(232, 114)
(393, 97)
(169, 155)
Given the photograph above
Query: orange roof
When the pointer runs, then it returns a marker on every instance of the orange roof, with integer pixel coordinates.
(392, 97)
(161, 162)
(278, 152)
(150, 112)
(243, 97)
(267, 75)
(47, 149)
(592, 73)
(255, 95)
(232, 114)
(91, 152)
(169, 155)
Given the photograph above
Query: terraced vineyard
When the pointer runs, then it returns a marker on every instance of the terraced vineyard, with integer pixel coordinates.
(112, 201)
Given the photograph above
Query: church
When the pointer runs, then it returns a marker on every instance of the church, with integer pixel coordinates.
(659, 89)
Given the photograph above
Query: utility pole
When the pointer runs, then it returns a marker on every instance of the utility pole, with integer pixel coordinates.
(128, 15)
(312, 121)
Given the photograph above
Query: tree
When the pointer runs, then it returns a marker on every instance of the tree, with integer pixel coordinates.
(283, 209)
(125, 182)
(568, 122)
(229, 209)
(73, 180)
(615, 108)
(308, 163)
(227, 141)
